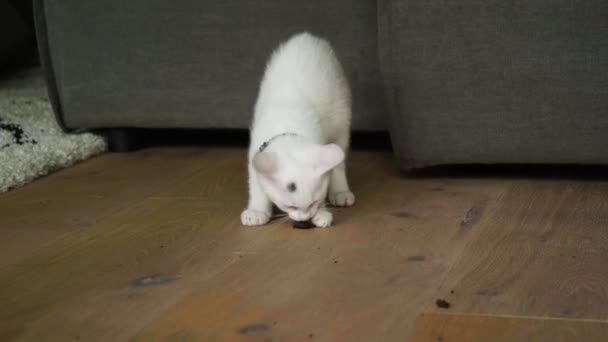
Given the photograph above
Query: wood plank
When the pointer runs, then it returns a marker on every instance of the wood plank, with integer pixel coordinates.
(366, 278)
(112, 264)
(84, 282)
(542, 250)
(457, 327)
(76, 198)
(93, 283)
(171, 260)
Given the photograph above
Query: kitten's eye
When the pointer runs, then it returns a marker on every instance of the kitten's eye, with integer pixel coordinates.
(291, 207)
(291, 187)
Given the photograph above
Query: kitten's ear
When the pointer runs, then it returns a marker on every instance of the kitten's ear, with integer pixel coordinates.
(328, 157)
(266, 163)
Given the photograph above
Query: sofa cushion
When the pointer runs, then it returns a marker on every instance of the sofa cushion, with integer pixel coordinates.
(191, 63)
(496, 81)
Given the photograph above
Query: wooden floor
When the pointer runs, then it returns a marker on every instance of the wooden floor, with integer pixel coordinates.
(148, 246)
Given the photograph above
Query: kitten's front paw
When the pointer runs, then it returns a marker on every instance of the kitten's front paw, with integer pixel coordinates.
(342, 199)
(254, 218)
(323, 219)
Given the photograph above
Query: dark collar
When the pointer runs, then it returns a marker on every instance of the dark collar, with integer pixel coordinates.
(267, 142)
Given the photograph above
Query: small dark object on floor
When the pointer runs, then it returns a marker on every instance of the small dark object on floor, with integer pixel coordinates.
(303, 224)
(441, 303)
(253, 328)
(416, 258)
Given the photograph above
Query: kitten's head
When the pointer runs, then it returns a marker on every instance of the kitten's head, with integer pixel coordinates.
(296, 177)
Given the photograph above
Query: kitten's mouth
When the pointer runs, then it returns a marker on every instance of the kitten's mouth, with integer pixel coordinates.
(300, 217)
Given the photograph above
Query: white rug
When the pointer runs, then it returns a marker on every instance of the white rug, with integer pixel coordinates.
(31, 142)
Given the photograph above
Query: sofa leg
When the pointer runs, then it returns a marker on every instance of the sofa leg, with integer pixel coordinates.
(122, 139)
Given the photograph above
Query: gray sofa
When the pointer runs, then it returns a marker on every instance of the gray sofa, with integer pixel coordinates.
(454, 82)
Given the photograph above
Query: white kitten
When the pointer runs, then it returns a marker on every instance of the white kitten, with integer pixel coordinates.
(299, 135)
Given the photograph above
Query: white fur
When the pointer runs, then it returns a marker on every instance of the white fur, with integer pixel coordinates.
(303, 92)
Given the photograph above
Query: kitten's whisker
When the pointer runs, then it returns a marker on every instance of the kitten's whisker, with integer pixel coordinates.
(325, 206)
(280, 220)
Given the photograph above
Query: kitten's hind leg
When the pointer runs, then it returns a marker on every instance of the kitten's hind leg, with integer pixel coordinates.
(259, 208)
(339, 191)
